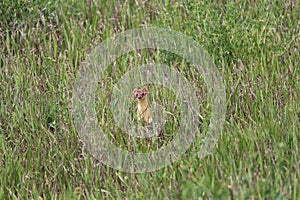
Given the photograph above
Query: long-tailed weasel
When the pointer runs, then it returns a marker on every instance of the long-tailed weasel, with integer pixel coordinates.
(143, 110)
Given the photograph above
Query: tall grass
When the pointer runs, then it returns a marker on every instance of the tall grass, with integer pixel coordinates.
(255, 46)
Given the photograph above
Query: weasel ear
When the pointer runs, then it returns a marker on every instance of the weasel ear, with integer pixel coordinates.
(145, 90)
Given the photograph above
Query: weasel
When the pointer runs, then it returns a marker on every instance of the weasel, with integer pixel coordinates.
(143, 110)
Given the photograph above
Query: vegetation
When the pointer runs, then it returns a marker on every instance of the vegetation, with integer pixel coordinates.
(254, 44)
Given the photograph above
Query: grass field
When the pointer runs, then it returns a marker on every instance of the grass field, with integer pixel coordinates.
(255, 46)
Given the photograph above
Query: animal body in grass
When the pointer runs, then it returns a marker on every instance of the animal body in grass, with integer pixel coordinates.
(143, 110)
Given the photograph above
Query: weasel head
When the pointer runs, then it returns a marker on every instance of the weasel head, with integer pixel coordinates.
(141, 93)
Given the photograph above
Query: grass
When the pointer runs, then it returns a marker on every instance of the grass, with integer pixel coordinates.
(255, 46)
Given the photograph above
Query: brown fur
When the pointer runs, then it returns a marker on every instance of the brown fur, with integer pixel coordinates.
(143, 111)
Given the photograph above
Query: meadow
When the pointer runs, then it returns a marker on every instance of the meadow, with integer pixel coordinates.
(255, 46)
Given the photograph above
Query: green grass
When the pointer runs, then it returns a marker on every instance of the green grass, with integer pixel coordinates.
(255, 46)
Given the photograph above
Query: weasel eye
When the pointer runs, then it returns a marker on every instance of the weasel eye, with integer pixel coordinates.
(143, 93)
